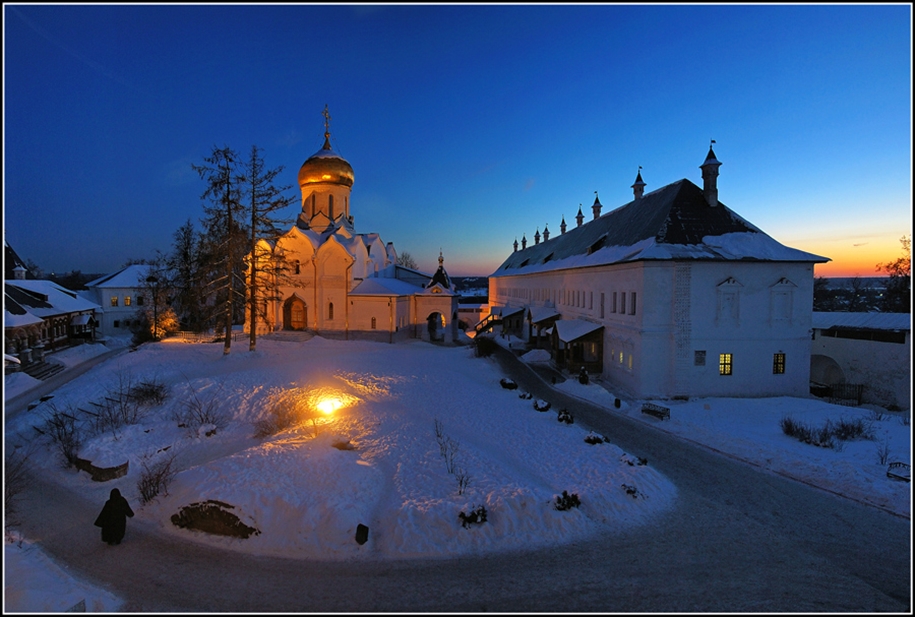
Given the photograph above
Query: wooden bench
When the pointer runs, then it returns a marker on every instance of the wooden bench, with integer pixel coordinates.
(662, 413)
(899, 471)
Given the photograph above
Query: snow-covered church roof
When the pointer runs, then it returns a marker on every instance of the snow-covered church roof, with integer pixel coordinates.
(674, 222)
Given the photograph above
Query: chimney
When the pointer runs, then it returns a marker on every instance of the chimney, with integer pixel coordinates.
(546, 233)
(638, 188)
(537, 236)
(523, 242)
(710, 177)
(579, 217)
(562, 226)
(515, 245)
(596, 206)
(19, 273)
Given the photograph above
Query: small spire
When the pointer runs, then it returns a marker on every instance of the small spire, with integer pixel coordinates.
(638, 187)
(579, 217)
(596, 207)
(546, 233)
(562, 225)
(326, 115)
(441, 260)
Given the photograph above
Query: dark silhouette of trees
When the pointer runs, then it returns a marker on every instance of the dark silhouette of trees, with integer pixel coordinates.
(897, 298)
(185, 270)
(406, 260)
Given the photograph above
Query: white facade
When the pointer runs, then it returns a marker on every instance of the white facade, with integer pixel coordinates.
(120, 296)
(687, 298)
(873, 349)
(341, 284)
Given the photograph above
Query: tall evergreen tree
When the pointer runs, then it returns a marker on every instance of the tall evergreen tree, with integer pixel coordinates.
(185, 269)
(225, 233)
(264, 200)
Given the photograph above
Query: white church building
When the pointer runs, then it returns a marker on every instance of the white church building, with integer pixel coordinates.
(343, 284)
(670, 295)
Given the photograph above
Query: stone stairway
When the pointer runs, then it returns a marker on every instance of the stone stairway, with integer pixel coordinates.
(42, 369)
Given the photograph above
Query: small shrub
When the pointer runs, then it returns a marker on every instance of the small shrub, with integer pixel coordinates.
(593, 438)
(15, 482)
(447, 446)
(284, 413)
(848, 430)
(632, 491)
(541, 405)
(195, 411)
(155, 478)
(65, 434)
(565, 416)
(526, 396)
(477, 516)
(567, 501)
(463, 479)
(883, 451)
(150, 392)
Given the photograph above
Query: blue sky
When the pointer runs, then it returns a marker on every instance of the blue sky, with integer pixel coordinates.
(467, 126)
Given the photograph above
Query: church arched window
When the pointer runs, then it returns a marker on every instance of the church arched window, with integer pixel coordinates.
(330, 310)
(374, 323)
(298, 267)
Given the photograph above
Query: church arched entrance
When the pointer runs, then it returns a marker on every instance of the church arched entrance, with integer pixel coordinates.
(435, 326)
(825, 370)
(295, 314)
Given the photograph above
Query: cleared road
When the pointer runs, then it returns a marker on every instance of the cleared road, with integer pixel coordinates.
(739, 539)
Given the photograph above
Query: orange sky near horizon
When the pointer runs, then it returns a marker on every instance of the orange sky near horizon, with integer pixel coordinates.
(849, 261)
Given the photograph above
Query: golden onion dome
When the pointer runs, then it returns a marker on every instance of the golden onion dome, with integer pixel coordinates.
(326, 167)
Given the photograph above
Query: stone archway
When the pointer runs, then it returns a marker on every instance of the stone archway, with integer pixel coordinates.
(435, 327)
(825, 370)
(295, 314)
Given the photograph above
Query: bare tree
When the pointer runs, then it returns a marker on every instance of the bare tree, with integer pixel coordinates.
(406, 260)
(897, 298)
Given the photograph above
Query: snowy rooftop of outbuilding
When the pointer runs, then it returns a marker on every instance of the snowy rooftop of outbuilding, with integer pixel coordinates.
(130, 277)
(51, 299)
(671, 223)
(870, 321)
(379, 286)
(570, 330)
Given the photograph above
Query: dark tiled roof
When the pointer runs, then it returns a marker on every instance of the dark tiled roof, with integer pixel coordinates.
(676, 217)
(25, 298)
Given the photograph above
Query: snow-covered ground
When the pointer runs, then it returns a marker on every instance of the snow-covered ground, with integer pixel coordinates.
(422, 434)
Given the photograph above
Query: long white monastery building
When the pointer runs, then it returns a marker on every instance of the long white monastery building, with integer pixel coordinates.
(671, 295)
(343, 284)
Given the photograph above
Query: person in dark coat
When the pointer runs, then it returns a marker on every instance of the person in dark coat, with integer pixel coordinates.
(113, 518)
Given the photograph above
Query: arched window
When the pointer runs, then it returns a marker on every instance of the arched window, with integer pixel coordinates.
(330, 310)
(298, 267)
(374, 323)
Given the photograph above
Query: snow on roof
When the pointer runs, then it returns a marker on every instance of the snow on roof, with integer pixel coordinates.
(673, 222)
(382, 286)
(541, 313)
(823, 320)
(130, 277)
(507, 311)
(59, 299)
(19, 320)
(570, 330)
